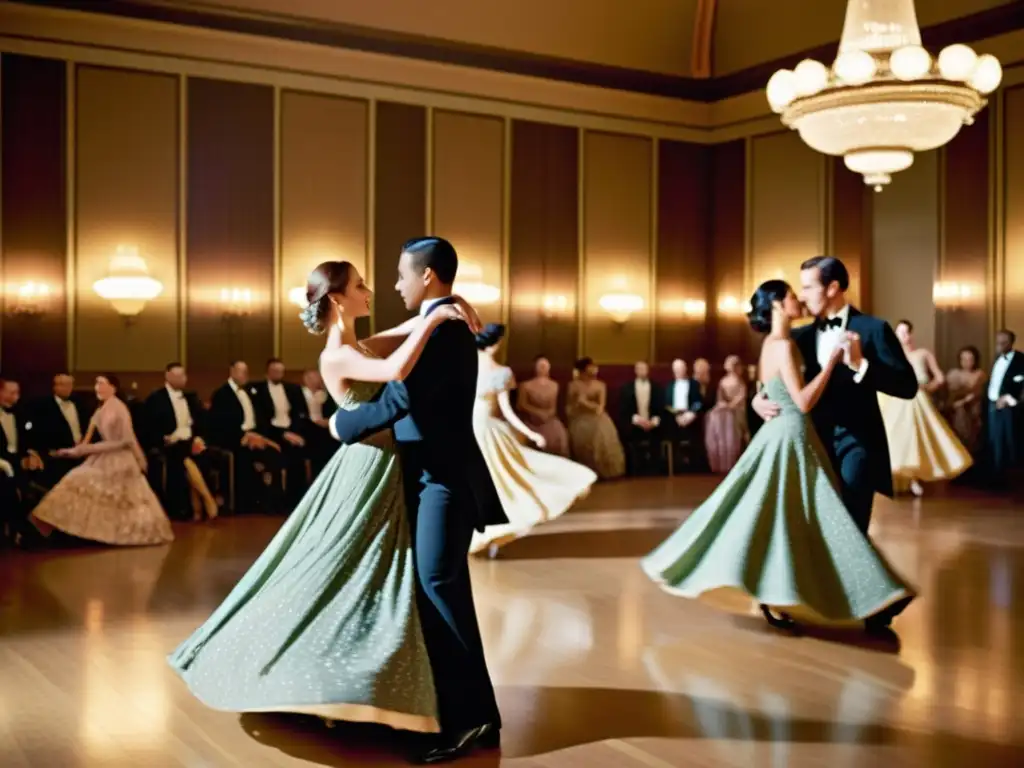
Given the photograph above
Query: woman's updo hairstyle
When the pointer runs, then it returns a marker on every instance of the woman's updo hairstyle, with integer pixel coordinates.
(490, 335)
(329, 277)
(762, 302)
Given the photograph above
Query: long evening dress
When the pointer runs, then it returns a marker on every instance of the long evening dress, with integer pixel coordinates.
(542, 395)
(593, 438)
(325, 621)
(966, 419)
(725, 427)
(922, 446)
(534, 486)
(107, 498)
(776, 530)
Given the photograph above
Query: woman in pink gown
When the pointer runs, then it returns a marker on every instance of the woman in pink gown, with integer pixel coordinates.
(107, 497)
(538, 407)
(725, 428)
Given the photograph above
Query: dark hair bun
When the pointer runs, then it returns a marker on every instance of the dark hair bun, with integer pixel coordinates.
(314, 316)
(490, 335)
(763, 301)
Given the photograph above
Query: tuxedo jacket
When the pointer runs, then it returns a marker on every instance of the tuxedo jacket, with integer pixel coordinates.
(695, 398)
(431, 413)
(1013, 381)
(264, 404)
(628, 407)
(224, 421)
(159, 420)
(848, 415)
(23, 426)
(50, 430)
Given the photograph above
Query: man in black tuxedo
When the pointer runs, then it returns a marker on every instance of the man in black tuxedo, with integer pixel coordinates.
(234, 427)
(281, 409)
(21, 463)
(319, 409)
(174, 424)
(641, 404)
(847, 416)
(449, 494)
(685, 405)
(58, 422)
(1003, 421)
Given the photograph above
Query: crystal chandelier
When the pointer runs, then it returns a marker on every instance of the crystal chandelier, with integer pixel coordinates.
(884, 98)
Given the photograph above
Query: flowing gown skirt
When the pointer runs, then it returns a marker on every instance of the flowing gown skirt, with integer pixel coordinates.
(776, 531)
(325, 621)
(922, 446)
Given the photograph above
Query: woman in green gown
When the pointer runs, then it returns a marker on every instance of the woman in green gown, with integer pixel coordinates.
(776, 529)
(325, 621)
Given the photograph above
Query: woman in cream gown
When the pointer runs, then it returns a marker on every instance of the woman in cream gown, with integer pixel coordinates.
(593, 438)
(534, 486)
(922, 446)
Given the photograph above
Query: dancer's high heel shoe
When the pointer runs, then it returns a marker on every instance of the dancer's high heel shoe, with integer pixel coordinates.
(782, 621)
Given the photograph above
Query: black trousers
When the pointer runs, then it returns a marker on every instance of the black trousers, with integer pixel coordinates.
(441, 531)
(293, 459)
(177, 494)
(858, 487)
(1000, 442)
(251, 493)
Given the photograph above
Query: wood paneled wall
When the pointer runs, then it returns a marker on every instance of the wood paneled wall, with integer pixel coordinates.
(226, 186)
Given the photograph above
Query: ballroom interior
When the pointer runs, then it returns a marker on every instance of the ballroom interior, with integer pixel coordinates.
(616, 184)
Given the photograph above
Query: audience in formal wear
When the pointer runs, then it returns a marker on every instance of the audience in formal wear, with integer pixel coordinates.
(1005, 394)
(22, 464)
(593, 438)
(281, 409)
(725, 427)
(58, 423)
(320, 446)
(234, 428)
(641, 405)
(685, 404)
(965, 394)
(173, 429)
(537, 404)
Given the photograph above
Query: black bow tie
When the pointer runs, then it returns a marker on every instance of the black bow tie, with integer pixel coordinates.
(833, 322)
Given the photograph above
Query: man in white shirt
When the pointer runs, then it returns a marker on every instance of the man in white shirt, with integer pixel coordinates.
(21, 463)
(174, 429)
(1003, 421)
(234, 426)
(58, 423)
(641, 405)
(685, 405)
(281, 407)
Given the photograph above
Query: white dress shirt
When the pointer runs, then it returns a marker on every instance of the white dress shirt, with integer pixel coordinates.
(315, 403)
(70, 414)
(995, 383)
(681, 395)
(642, 391)
(282, 408)
(182, 416)
(829, 338)
(248, 414)
(426, 305)
(10, 428)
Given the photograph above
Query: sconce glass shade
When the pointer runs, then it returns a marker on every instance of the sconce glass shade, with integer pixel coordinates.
(470, 285)
(620, 306)
(297, 296)
(129, 286)
(29, 298)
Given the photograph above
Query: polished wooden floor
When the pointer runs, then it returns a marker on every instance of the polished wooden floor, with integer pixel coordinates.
(594, 666)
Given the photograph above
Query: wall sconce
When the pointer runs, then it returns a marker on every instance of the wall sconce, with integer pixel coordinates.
(693, 309)
(128, 287)
(29, 299)
(554, 304)
(297, 296)
(731, 306)
(953, 295)
(621, 306)
(235, 302)
(471, 286)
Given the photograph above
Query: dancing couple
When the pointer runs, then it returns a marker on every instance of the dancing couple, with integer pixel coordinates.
(788, 525)
(361, 607)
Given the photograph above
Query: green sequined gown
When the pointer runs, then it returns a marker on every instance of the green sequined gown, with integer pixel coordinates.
(777, 531)
(325, 621)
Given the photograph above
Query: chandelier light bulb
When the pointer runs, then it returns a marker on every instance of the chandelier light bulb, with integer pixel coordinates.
(988, 73)
(957, 62)
(811, 77)
(911, 62)
(782, 89)
(855, 67)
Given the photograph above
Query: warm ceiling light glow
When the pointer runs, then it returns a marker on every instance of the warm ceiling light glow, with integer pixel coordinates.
(128, 287)
(554, 303)
(297, 296)
(29, 298)
(885, 98)
(469, 284)
(730, 305)
(950, 295)
(621, 306)
(236, 302)
(694, 308)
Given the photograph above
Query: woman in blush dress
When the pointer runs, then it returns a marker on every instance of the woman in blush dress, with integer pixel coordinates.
(538, 405)
(534, 487)
(593, 438)
(106, 498)
(776, 530)
(965, 387)
(325, 622)
(922, 446)
(725, 426)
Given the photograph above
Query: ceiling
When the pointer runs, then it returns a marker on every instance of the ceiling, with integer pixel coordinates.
(651, 35)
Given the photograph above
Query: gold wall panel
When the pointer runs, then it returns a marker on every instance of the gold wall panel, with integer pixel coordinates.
(1013, 213)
